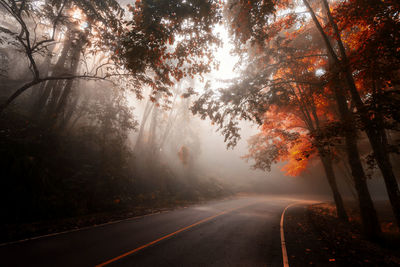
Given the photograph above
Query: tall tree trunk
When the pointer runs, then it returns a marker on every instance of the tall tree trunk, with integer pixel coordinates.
(169, 125)
(374, 132)
(346, 174)
(69, 112)
(74, 64)
(152, 142)
(147, 110)
(41, 102)
(60, 94)
(330, 175)
(55, 95)
(368, 213)
(310, 117)
(38, 90)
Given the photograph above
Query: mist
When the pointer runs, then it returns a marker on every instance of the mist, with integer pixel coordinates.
(115, 109)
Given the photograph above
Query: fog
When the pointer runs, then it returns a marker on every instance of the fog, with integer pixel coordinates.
(99, 116)
(212, 159)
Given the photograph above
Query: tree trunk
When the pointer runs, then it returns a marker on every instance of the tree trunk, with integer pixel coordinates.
(330, 175)
(146, 113)
(58, 69)
(68, 114)
(169, 125)
(56, 90)
(39, 98)
(152, 142)
(37, 91)
(74, 58)
(368, 213)
(310, 118)
(374, 132)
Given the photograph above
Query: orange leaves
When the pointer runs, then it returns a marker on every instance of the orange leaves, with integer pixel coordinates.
(289, 21)
(283, 139)
(298, 157)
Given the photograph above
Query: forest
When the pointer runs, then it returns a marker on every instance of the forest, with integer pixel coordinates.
(103, 104)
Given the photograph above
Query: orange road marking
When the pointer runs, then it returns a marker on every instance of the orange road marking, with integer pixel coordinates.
(169, 235)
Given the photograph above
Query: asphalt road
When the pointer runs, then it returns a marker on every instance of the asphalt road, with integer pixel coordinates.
(236, 232)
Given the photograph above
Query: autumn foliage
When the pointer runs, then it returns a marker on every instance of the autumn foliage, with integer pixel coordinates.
(317, 76)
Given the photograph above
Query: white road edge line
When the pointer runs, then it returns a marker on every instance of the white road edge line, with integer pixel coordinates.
(80, 229)
(92, 226)
(283, 243)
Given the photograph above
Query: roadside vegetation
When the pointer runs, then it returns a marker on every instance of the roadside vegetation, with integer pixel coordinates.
(70, 73)
(320, 79)
(335, 243)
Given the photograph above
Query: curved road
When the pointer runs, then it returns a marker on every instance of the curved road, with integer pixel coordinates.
(237, 232)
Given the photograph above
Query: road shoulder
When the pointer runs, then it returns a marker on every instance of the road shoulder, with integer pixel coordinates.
(304, 246)
(14, 233)
(315, 238)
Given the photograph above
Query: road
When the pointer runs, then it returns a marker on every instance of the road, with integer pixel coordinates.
(235, 232)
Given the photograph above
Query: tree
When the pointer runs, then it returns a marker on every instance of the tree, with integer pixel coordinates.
(369, 56)
(169, 40)
(292, 116)
(372, 127)
(252, 32)
(282, 86)
(26, 15)
(162, 43)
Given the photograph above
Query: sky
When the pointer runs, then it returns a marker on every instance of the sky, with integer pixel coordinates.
(223, 55)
